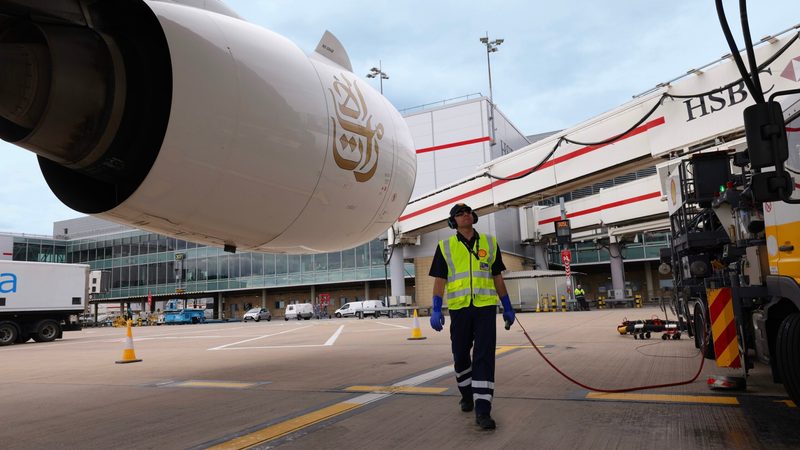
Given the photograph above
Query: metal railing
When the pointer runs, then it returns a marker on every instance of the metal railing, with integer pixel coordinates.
(440, 103)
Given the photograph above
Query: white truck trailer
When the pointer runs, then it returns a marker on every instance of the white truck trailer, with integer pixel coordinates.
(40, 300)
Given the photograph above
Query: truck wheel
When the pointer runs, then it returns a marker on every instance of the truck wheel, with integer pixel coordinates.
(701, 327)
(47, 331)
(338, 315)
(8, 333)
(788, 359)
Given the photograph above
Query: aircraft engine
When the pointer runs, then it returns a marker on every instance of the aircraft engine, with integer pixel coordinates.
(196, 124)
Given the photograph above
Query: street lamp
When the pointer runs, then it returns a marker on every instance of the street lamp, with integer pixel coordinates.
(491, 47)
(378, 72)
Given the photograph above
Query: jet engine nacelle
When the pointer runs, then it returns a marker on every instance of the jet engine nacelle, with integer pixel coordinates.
(197, 124)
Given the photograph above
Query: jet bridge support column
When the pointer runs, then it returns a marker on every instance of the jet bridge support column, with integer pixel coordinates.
(540, 256)
(397, 270)
(617, 267)
(648, 276)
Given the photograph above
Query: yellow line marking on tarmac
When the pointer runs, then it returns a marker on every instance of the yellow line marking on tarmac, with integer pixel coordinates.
(707, 399)
(507, 348)
(292, 425)
(215, 384)
(397, 389)
(788, 403)
(286, 427)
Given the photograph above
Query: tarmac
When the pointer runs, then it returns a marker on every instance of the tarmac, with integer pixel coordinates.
(361, 384)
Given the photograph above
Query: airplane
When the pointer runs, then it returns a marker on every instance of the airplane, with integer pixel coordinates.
(181, 118)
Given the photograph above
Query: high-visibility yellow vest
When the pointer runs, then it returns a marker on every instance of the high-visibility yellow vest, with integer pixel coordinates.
(469, 274)
(579, 292)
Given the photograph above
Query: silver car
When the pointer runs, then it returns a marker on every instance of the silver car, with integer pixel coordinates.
(257, 314)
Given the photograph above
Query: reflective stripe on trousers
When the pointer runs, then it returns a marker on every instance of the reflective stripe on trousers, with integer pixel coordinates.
(473, 340)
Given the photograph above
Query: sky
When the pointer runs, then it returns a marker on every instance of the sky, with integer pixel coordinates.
(560, 63)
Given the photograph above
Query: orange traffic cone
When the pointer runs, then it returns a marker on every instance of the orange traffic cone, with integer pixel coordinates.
(128, 355)
(416, 333)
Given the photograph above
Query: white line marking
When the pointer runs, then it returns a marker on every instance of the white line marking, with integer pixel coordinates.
(256, 338)
(273, 346)
(425, 377)
(335, 336)
(392, 325)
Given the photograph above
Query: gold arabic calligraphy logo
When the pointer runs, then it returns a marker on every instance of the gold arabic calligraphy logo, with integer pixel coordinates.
(356, 147)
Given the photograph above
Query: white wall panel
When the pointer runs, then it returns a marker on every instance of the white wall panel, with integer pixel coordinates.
(458, 123)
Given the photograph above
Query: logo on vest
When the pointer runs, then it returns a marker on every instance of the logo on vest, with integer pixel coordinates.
(482, 253)
(484, 266)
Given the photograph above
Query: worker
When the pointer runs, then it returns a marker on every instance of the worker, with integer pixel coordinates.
(580, 296)
(467, 269)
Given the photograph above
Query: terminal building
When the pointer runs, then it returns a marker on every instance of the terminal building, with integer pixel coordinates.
(452, 138)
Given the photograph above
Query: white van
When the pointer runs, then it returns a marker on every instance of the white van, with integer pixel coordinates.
(349, 309)
(373, 308)
(299, 311)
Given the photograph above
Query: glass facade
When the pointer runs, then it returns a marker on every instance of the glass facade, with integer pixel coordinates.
(646, 246)
(139, 262)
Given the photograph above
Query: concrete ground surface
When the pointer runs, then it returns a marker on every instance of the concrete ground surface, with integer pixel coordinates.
(361, 384)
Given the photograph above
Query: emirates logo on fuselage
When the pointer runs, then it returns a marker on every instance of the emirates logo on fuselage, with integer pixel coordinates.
(355, 141)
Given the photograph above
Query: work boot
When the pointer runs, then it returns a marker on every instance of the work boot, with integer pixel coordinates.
(485, 421)
(466, 404)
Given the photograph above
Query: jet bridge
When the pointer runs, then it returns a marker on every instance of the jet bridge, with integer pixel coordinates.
(699, 111)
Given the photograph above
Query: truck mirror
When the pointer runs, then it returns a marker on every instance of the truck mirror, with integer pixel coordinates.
(771, 186)
(767, 144)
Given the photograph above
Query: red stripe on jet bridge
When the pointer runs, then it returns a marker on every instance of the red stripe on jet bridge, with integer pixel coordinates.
(792, 130)
(453, 144)
(7, 254)
(627, 201)
(652, 124)
(582, 151)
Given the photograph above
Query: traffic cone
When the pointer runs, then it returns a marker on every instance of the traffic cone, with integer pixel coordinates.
(416, 333)
(128, 355)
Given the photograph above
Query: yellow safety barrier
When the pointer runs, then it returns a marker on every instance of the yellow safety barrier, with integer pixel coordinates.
(637, 300)
(546, 303)
(563, 303)
(553, 304)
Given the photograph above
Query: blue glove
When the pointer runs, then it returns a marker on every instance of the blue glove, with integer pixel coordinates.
(437, 319)
(508, 311)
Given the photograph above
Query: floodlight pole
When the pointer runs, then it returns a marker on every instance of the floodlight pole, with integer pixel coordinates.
(491, 46)
(377, 72)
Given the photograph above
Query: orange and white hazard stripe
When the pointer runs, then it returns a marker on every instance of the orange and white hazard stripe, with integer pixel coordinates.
(723, 327)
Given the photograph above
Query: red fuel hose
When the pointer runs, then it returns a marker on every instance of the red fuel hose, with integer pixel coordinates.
(640, 388)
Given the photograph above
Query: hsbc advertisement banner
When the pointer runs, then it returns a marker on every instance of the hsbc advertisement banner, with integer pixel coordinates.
(719, 113)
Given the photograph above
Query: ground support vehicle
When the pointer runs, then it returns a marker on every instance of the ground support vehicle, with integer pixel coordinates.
(184, 316)
(40, 301)
(735, 263)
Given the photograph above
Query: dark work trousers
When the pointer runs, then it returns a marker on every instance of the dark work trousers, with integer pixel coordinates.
(582, 302)
(474, 373)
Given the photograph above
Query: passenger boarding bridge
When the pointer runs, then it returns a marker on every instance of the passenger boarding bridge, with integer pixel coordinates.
(699, 111)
